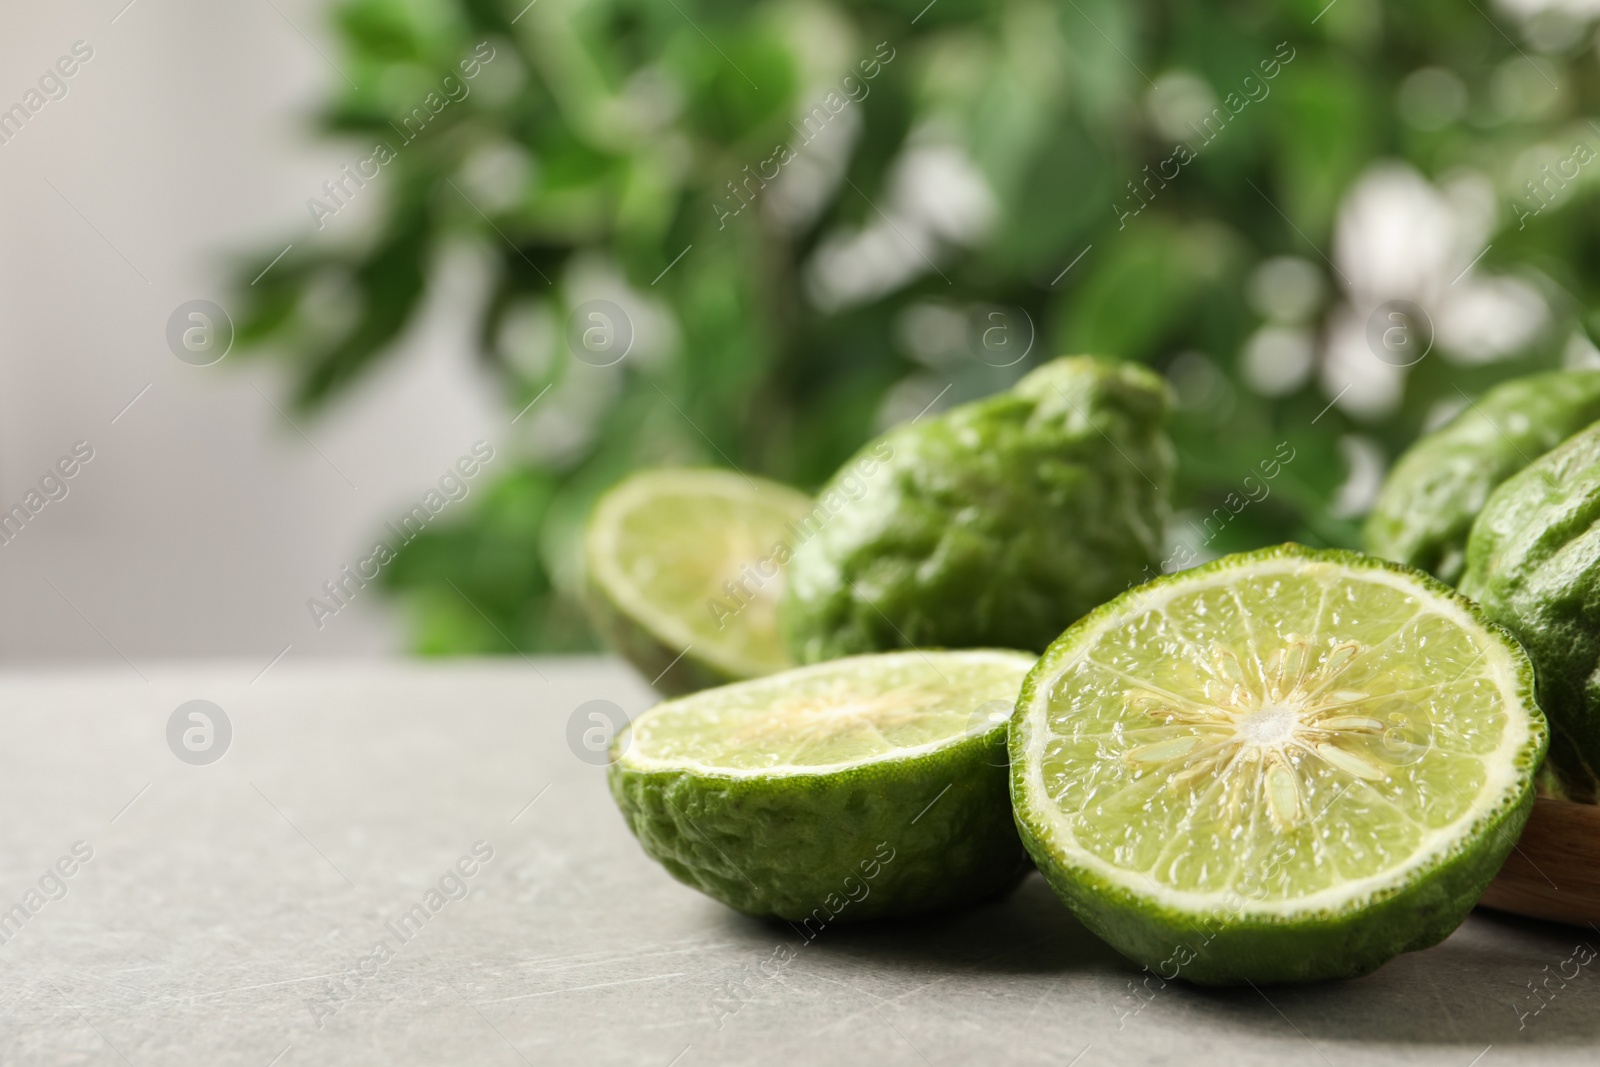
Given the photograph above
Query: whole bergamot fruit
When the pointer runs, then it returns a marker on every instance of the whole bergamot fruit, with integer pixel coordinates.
(1533, 563)
(995, 524)
(1425, 512)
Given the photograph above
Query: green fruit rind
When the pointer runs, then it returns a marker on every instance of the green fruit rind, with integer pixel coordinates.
(674, 673)
(1425, 511)
(1239, 940)
(916, 831)
(1533, 564)
(993, 524)
(1222, 950)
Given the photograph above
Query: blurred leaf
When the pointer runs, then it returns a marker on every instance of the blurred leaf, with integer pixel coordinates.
(717, 167)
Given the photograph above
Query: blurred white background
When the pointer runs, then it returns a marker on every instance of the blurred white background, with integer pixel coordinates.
(205, 519)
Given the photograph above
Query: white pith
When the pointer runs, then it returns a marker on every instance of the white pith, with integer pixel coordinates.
(1245, 731)
(1259, 734)
(869, 702)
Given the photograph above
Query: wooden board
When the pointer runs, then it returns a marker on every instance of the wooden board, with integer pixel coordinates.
(1554, 872)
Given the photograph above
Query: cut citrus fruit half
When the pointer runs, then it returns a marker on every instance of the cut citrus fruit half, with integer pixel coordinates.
(1284, 765)
(861, 787)
(685, 572)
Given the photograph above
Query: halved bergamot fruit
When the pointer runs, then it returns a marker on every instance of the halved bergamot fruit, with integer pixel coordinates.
(861, 787)
(1284, 765)
(685, 573)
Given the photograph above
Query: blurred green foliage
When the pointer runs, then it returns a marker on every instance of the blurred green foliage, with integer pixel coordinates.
(592, 157)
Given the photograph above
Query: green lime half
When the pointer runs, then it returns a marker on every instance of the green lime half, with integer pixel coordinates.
(861, 787)
(685, 572)
(1284, 765)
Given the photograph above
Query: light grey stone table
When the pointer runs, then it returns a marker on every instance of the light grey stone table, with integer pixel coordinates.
(229, 913)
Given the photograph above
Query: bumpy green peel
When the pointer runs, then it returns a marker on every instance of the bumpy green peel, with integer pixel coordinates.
(1533, 563)
(995, 524)
(1427, 506)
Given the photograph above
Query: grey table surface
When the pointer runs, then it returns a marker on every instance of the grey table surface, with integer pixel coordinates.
(231, 913)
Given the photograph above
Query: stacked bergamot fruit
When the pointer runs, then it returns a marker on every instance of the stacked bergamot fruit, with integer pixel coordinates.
(1283, 765)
